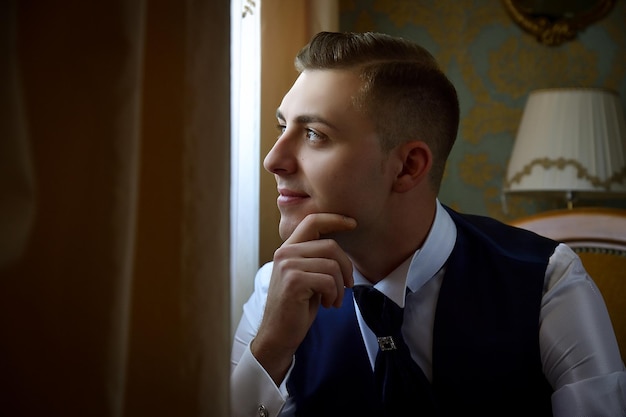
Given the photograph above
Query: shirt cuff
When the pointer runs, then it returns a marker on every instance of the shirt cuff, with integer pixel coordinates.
(253, 391)
(598, 396)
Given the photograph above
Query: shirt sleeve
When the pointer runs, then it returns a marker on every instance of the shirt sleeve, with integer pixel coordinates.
(580, 355)
(253, 392)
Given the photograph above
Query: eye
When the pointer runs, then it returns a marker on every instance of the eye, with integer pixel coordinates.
(313, 136)
(281, 129)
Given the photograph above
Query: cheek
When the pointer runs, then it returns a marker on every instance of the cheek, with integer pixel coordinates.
(354, 187)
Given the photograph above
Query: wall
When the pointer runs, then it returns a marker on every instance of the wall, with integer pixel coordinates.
(494, 65)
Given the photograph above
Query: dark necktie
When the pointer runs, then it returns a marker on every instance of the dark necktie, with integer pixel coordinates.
(404, 387)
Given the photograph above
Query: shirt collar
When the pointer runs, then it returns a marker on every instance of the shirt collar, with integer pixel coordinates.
(425, 262)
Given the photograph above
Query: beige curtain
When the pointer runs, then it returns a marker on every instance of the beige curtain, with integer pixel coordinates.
(286, 26)
(114, 181)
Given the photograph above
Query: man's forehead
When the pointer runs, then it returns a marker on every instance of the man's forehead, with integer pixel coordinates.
(320, 91)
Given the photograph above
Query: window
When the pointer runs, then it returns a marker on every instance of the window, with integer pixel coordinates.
(245, 150)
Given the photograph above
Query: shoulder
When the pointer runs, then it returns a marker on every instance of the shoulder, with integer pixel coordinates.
(484, 222)
(506, 239)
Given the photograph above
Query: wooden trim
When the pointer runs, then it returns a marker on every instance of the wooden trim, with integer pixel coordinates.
(585, 226)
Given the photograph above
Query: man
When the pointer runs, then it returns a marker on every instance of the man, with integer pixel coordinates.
(496, 320)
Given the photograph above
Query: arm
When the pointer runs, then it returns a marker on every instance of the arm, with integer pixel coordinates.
(307, 272)
(251, 386)
(580, 355)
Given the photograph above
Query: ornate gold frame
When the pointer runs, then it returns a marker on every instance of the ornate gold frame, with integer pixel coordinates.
(554, 32)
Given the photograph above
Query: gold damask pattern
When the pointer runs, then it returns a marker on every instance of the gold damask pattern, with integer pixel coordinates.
(488, 117)
(516, 63)
(450, 23)
(494, 65)
(476, 169)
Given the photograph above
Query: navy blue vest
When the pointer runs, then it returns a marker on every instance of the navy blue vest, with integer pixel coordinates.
(486, 358)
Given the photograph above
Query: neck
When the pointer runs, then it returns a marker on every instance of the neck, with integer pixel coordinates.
(404, 234)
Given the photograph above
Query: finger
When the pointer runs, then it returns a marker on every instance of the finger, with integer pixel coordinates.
(318, 256)
(332, 278)
(317, 224)
(324, 248)
(324, 287)
(336, 264)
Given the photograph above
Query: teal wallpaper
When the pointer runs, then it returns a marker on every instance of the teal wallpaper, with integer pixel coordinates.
(494, 65)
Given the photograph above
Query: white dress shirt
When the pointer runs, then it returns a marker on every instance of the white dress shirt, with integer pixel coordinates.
(579, 352)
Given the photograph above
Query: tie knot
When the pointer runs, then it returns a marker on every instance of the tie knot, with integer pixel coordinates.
(380, 313)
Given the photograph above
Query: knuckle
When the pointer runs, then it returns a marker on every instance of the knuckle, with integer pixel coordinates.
(285, 268)
(282, 254)
(330, 245)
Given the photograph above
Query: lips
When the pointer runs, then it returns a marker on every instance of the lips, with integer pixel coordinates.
(286, 196)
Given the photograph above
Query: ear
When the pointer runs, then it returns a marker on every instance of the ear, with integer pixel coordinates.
(417, 159)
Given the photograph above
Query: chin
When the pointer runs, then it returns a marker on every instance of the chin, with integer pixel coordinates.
(286, 228)
(289, 221)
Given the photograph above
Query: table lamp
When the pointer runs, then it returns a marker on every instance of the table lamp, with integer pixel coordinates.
(571, 143)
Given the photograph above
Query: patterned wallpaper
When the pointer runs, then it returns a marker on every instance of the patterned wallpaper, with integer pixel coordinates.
(494, 64)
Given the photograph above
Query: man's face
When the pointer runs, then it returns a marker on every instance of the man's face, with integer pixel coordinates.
(327, 157)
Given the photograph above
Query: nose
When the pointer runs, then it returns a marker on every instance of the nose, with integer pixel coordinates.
(281, 159)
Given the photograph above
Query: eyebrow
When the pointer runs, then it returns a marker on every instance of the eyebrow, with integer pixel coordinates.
(305, 118)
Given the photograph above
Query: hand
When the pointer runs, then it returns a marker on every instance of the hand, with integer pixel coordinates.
(308, 271)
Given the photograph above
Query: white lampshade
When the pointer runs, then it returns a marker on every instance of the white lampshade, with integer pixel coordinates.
(570, 142)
